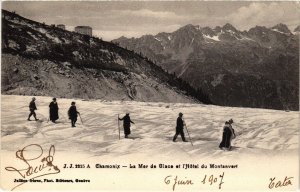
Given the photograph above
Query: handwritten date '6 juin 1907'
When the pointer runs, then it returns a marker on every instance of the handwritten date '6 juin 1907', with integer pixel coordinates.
(209, 180)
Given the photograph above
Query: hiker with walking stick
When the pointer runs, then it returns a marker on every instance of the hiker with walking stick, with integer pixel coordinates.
(73, 114)
(126, 124)
(179, 128)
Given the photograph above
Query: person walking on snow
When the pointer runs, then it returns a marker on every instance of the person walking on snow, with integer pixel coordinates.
(73, 113)
(126, 124)
(179, 128)
(53, 109)
(32, 108)
(228, 135)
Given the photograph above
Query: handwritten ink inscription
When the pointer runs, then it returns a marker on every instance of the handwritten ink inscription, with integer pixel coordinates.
(210, 180)
(277, 183)
(35, 163)
(174, 181)
(213, 180)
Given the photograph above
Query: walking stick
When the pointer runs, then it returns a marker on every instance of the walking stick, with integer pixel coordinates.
(241, 129)
(188, 134)
(119, 127)
(80, 118)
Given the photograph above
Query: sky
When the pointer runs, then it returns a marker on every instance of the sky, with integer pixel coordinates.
(113, 19)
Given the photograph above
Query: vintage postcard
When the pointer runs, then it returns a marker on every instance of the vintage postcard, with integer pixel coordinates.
(150, 95)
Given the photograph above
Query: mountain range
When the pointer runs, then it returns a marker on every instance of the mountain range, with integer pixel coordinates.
(40, 59)
(254, 68)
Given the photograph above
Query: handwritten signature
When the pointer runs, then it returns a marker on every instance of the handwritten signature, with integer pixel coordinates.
(36, 166)
(277, 183)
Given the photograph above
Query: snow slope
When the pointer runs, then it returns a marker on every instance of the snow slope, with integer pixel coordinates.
(259, 131)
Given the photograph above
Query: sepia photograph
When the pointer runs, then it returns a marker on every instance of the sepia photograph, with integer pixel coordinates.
(150, 95)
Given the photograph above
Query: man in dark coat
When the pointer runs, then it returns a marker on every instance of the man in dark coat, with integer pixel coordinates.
(179, 128)
(53, 109)
(126, 124)
(73, 114)
(228, 135)
(32, 108)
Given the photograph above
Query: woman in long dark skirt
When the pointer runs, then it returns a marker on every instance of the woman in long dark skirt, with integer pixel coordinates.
(228, 135)
(53, 109)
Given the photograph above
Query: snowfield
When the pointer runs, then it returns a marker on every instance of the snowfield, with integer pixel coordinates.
(258, 130)
(269, 138)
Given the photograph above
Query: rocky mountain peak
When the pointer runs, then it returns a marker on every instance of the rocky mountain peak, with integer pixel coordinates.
(281, 28)
(122, 38)
(228, 27)
(297, 29)
(188, 27)
(218, 29)
(163, 35)
(208, 31)
(258, 30)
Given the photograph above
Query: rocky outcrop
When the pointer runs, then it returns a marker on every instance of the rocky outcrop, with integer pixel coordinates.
(38, 59)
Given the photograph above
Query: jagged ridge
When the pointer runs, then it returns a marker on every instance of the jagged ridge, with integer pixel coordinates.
(254, 68)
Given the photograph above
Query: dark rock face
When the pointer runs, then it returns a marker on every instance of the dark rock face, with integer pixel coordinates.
(281, 28)
(38, 59)
(254, 68)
